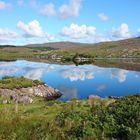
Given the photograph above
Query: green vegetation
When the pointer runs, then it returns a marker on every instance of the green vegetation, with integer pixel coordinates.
(129, 48)
(74, 120)
(17, 82)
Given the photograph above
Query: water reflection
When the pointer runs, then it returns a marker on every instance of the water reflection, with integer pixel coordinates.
(75, 73)
(77, 82)
(101, 87)
(119, 74)
(68, 92)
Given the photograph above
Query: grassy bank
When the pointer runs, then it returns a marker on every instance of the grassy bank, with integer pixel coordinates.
(76, 119)
(17, 82)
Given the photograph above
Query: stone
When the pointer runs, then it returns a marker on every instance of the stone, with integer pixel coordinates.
(24, 95)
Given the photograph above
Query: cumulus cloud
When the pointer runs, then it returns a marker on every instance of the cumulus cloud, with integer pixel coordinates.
(70, 10)
(122, 32)
(3, 5)
(103, 17)
(90, 34)
(76, 31)
(75, 74)
(6, 34)
(48, 10)
(33, 29)
(119, 74)
(65, 11)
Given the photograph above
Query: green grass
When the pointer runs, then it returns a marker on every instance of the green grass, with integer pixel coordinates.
(17, 82)
(73, 120)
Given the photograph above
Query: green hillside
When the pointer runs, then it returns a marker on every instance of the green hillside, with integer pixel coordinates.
(129, 48)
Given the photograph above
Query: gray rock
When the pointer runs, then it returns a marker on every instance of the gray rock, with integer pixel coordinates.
(24, 95)
(24, 100)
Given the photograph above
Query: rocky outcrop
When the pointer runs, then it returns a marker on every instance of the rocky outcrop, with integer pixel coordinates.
(90, 97)
(25, 95)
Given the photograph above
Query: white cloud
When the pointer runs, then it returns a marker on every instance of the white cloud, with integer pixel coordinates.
(119, 74)
(75, 74)
(70, 10)
(103, 17)
(6, 34)
(48, 10)
(33, 29)
(122, 32)
(3, 5)
(65, 11)
(76, 31)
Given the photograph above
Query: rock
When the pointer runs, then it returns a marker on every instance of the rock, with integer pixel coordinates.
(24, 95)
(47, 92)
(37, 92)
(93, 97)
(27, 90)
(24, 100)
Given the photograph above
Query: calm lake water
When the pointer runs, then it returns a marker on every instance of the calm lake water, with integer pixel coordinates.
(77, 81)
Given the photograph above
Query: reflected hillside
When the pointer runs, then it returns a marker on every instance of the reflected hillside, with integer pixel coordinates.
(128, 64)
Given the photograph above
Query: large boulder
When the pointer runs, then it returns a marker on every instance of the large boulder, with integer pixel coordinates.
(25, 95)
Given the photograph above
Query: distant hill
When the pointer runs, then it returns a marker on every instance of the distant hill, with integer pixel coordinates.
(128, 43)
(123, 48)
(58, 45)
(129, 48)
(5, 46)
(133, 42)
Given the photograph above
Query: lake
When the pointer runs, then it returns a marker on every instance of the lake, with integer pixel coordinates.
(77, 81)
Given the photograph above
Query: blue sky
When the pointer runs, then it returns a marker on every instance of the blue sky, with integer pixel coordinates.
(39, 21)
